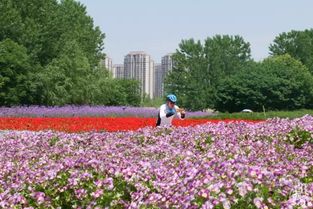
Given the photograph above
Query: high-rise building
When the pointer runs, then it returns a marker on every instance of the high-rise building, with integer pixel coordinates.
(158, 81)
(167, 66)
(118, 71)
(167, 63)
(108, 64)
(139, 66)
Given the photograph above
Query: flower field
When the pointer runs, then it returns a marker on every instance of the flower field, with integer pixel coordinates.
(85, 111)
(79, 124)
(233, 164)
(88, 118)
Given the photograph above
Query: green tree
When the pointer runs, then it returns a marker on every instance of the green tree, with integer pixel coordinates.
(75, 24)
(299, 44)
(132, 91)
(44, 27)
(199, 67)
(116, 92)
(110, 93)
(57, 50)
(226, 56)
(14, 65)
(11, 25)
(67, 77)
(185, 78)
(277, 83)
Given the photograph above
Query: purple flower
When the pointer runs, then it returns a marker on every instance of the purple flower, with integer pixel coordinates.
(158, 167)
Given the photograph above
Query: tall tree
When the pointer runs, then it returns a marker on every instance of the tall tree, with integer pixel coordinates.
(66, 77)
(14, 67)
(199, 67)
(185, 80)
(75, 24)
(59, 49)
(299, 44)
(226, 55)
(11, 24)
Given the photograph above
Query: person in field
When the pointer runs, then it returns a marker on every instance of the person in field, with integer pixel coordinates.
(168, 111)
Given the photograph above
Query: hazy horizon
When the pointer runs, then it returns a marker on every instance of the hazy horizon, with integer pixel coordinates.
(158, 27)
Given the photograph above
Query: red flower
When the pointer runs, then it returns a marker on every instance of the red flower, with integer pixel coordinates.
(80, 124)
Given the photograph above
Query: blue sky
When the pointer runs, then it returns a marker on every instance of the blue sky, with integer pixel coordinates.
(158, 26)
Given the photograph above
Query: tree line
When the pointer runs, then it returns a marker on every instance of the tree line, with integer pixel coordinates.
(50, 52)
(219, 73)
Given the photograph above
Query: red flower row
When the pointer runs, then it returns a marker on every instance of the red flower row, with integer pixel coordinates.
(80, 124)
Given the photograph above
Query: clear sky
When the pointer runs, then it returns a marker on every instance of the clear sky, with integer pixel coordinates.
(158, 26)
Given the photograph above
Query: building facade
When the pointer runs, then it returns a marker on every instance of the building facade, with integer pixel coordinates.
(158, 81)
(167, 63)
(167, 66)
(118, 71)
(108, 64)
(139, 66)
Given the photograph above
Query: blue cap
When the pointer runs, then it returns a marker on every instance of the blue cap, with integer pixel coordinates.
(172, 98)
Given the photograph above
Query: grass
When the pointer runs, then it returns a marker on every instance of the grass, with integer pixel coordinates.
(261, 115)
(156, 102)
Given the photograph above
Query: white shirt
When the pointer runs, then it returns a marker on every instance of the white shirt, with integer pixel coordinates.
(163, 110)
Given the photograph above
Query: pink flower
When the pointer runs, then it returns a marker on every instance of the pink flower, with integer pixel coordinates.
(80, 193)
(242, 187)
(109, 183)
(258, 202)
(97, 193)
(39, 196)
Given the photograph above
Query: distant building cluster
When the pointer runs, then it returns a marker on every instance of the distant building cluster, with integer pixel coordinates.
(140, 66)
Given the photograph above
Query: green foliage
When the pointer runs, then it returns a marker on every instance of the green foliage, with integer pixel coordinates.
(245, 202)
(203, 143)
(260, 115)
(199, 201)
(45, 26)
(199, 67)
(49, 55)
(50, 52)
(298, 137)
(156, 102)
(116, 92)
(113, 92)
(309, 178)
(64, 196)
(14, 65)
(185, 80)
(299, 44)
(277, 83)
(226, 55)
(53, 141)
(66, 77)
(132, 91)
(11, 21)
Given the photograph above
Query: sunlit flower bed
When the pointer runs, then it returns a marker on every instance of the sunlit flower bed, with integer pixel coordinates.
(86, 111)
(83, 124)
(239, 165)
